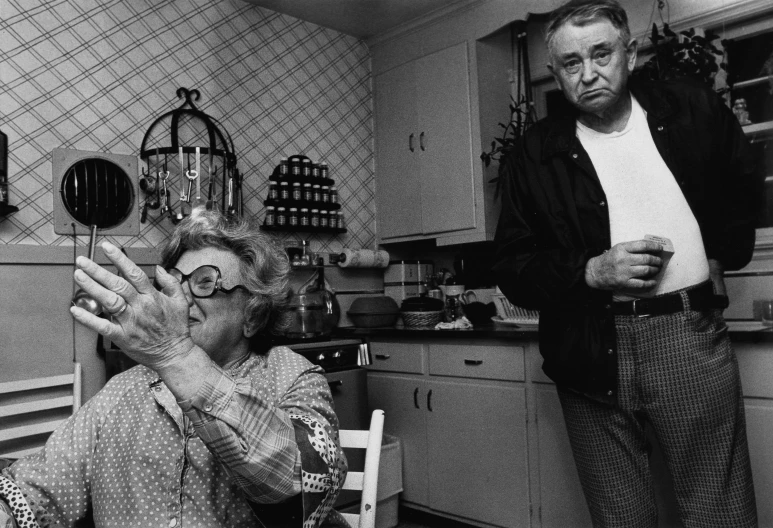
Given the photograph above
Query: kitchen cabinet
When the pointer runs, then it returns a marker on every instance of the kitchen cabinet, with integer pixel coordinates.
(424, 151)
(461, 419)
(430, 113)
(561, 499)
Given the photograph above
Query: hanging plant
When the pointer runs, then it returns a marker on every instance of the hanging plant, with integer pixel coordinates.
(686, 54)
(522, 116)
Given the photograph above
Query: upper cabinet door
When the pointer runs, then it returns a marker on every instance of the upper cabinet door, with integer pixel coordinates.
(398, 188)
(445, 141)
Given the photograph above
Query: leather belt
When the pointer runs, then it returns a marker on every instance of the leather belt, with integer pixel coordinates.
(702, 298)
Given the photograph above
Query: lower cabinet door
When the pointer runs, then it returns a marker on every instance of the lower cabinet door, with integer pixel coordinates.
(478, 458)
(402, 398)
(562, 501)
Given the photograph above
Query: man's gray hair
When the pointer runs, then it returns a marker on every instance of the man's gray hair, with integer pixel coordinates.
(583, 11)
(264, 266)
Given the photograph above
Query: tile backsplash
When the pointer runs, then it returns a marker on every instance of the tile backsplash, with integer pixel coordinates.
(94, 76)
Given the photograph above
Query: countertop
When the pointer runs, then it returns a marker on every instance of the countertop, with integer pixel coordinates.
(740, 331)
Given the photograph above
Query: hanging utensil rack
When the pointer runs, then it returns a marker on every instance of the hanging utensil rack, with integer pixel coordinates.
(188, 153)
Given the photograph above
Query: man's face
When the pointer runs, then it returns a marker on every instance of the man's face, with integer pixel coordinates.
(591, 64)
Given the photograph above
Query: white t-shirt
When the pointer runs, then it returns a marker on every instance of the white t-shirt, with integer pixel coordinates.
(644, 199)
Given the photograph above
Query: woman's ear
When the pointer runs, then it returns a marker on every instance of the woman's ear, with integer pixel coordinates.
(249, 329)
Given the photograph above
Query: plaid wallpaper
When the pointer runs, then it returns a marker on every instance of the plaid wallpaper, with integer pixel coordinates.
(94, 75)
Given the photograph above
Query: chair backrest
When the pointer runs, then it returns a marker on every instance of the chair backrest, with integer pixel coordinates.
(366, 480)
(32, 409)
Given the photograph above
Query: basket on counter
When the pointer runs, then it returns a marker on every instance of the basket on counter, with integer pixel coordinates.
(421, 318)
(421, 311)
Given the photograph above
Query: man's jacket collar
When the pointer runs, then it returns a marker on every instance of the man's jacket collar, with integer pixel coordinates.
(656, 101)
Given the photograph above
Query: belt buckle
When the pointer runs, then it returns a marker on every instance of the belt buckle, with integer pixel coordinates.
(635, 312)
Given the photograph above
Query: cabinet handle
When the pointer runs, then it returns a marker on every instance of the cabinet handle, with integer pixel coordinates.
(473, 361)
(410, 142)
(416, 397)
(429, 400)
(382, 356)
(335, 383)
(421, 141)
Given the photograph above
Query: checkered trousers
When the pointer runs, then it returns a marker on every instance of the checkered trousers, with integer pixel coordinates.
(679, 373)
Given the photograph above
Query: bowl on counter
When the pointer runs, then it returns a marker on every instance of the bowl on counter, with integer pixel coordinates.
(372, 312)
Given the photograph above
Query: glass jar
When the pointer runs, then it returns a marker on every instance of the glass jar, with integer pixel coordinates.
(325, 194)
(324, 218)
(284, 167)
(333, 220)
(297, 194)
(292, 218)
(270, 216)
(333, 195)
(314, 218)
(308, 194)
(306, 169)
(281, 216)
(295, 167)
(273, 193)
(341, 224)
(304, 217)
(315, 170)
(284, 191)
(323, 170)
(317, 195)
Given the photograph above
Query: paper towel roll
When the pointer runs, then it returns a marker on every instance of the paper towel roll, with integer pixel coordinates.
(363, 258)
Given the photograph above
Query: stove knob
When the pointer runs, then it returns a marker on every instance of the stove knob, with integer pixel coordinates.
(321, 357)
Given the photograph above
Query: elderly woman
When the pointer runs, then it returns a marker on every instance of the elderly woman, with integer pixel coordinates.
(214, 427)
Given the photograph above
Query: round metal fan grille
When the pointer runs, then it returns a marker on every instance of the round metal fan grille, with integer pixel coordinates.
(98, 192)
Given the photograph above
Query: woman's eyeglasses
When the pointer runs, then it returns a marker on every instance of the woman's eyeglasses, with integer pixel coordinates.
(205, 281)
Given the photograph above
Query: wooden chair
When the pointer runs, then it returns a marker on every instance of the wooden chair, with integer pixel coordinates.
(35, 407)
(366, 480)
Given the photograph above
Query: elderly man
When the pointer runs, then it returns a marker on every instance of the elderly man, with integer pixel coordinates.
(214, 427)
(617, 223)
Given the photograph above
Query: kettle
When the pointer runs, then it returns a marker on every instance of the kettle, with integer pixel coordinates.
(314, 309)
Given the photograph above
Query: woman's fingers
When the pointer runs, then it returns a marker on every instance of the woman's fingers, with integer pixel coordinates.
(134, 279)
(108, 298)
(98, 324)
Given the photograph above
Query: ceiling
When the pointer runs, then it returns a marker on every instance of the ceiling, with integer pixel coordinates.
(360, 18)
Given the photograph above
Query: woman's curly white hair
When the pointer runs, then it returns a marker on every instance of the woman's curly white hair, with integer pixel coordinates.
(263, 263)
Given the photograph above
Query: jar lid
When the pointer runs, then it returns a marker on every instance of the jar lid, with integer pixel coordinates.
(307, 185)
(281, 209)
(326, 187)
(304, 209)
(296, 183)
(282, 183)
(315, 210)
(270, 206)
(294, 209)
(316, 185)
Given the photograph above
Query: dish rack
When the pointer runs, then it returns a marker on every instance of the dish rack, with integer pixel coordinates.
(510, 313)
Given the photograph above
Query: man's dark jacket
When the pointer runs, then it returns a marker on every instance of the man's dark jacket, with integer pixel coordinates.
(555, 218)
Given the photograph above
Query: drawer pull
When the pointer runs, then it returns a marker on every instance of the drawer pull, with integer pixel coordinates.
(473, 361)
(382, 356)
(335, 383)
(429, 401)
(416, 397)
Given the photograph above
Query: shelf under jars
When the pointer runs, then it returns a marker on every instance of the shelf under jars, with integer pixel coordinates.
(304, 229)
(302, 204)
(302, 179)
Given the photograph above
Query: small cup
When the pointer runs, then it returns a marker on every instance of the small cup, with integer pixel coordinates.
(766, 313)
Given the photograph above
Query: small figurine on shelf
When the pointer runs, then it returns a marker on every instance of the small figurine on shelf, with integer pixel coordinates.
(740, 111)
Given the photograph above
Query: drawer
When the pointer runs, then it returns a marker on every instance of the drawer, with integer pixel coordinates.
(391, 356)
(477, 361)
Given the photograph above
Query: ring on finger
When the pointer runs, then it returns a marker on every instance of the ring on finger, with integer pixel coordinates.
(121, 310)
